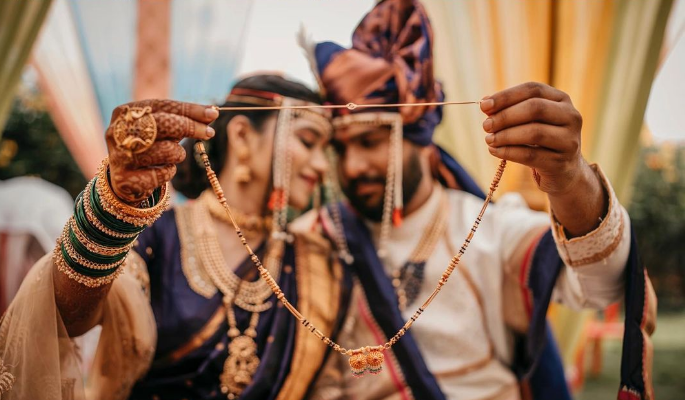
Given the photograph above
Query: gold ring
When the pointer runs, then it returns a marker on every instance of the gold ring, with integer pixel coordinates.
(135, 129)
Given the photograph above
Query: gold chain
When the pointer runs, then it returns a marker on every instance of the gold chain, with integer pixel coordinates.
(252, 224)
(349, 106)
(432, 232)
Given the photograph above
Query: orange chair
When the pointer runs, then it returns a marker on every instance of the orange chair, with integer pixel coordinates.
(596, 331)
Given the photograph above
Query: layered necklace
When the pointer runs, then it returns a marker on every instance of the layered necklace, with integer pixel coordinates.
(251, 296)
(253, 225)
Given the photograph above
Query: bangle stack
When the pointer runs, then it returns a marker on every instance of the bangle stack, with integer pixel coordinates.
(96, 240)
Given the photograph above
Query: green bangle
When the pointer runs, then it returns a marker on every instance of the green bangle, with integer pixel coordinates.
(101, 227)
(93, 273)
(89, 255)
(108, 219)
(92, 231)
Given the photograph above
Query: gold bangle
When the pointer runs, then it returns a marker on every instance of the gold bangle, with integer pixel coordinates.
(87, 207)
(122, 211)
(95, 247)
(82, 279)
(79, 259)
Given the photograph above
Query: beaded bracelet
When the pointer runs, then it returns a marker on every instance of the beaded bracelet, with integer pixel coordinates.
(84, 266)
(100, 258)
(106, 217)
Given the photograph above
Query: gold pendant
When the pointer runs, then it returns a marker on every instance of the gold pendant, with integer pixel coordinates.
(241, 364)
(361, 361)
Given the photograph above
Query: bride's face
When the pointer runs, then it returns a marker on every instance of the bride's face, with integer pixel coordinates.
(308, 163)
(308, 160)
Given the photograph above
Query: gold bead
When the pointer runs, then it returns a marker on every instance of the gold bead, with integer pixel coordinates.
(374, 361)
(358, 364)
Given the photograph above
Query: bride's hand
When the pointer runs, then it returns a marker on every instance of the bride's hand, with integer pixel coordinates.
(143, 143)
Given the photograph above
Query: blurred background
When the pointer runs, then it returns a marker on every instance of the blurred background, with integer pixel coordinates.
(67, 63)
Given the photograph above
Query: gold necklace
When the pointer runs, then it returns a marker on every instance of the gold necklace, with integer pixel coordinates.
(253, 296)
(253, 224)
(407, 279)
(242, 361)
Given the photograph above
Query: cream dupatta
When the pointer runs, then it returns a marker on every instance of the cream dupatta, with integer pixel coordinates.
(43, 363)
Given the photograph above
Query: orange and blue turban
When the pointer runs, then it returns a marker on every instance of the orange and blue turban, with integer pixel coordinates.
(391, 61)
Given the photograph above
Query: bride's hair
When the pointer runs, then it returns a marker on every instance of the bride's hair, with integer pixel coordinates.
(190, 179)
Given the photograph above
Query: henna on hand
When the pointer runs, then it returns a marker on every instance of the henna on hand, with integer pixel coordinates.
(197, 112)
(135, 176)
(160, 153)
(137, 185)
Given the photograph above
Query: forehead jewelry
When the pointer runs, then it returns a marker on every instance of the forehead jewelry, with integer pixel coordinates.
(368, 358)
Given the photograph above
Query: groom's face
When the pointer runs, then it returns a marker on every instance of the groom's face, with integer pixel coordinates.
(363, 164)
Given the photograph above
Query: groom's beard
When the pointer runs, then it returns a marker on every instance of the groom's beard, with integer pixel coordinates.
(373, 208)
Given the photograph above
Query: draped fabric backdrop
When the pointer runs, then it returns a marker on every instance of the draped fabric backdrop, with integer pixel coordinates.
(151, 77)
(602, 53)
(664, 114)
(64, 80)
(107, 45)
(20, 22)
(207, 45)
(93, 56)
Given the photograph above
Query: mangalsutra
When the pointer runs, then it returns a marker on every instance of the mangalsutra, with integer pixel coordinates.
(367, 358)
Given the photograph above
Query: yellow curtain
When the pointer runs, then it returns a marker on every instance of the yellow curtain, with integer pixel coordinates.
(603, 53)
(20, 22)
(482, 47)
(632, 62)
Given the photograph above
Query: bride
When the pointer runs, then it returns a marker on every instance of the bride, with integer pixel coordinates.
(190, 317)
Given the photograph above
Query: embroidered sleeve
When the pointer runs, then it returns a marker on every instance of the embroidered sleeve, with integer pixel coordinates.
(595, 262)
(599, 244)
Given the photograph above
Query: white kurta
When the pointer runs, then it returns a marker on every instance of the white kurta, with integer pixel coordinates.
(464, 336)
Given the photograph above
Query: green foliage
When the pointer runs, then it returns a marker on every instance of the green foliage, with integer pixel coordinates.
(31, 145)
(657, 213)
(669, 352)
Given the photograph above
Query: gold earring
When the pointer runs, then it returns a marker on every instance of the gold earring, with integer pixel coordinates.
(243, 174)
